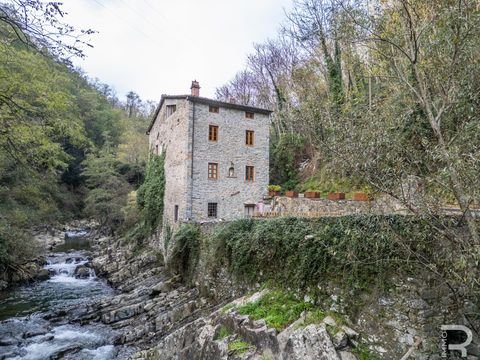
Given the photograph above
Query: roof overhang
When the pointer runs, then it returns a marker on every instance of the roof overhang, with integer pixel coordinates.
(206, 101)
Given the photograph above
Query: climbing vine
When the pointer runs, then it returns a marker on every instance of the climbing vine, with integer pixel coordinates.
(150, 198)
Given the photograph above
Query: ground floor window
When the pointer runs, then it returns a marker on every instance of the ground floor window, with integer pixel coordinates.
(249, 210)
(175, 215)
(212, 210)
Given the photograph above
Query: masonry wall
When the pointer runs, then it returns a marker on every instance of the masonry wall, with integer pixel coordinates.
(285, 206)
(170, 134)
(230, 193)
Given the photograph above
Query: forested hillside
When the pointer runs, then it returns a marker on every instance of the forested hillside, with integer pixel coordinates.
(69, 147)
(370, 94)
(381, 96)
(377, 97)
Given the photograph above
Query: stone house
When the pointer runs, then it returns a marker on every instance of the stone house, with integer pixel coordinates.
(217, 156)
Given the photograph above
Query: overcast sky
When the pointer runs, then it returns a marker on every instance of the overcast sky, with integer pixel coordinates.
(156, 47)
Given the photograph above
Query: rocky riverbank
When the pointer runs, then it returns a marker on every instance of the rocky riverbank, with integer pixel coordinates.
(163, 318)
(38, 319)
(45, 239)
(224, 334)
(153, 314)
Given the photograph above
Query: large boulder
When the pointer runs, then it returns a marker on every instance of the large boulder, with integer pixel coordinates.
(310, 343)
(42, 275)
(82, 272)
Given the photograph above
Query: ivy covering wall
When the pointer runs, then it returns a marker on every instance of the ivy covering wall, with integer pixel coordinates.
(150, 198)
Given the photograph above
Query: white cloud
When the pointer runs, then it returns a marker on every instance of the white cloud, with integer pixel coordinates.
(156, 46)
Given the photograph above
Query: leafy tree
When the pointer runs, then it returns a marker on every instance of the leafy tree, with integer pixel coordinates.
(50, 117)
(108, 189)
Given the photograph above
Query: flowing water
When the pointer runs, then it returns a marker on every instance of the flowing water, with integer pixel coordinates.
(31, 325)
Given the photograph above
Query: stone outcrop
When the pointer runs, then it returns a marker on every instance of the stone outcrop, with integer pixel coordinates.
(150, 304)
(202, 339)
(163, 318)
(310, 343)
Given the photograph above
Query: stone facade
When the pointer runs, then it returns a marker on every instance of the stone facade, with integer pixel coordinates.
(184, 135)
(231, 193)
(170, 134)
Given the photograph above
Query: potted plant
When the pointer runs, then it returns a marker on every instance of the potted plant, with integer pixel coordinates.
(291, 193)
(274, 190)
(360, 196)
(336, 196)
(312, 194)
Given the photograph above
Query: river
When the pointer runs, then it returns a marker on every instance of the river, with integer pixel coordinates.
(34, 318)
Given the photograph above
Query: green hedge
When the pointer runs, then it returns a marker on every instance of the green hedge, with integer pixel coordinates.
(297, 253)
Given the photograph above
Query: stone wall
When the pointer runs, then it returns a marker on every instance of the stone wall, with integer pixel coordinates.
(170, 134)
(230, 193)
(286, 206)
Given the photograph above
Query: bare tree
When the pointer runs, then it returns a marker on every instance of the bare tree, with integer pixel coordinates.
(39, 25)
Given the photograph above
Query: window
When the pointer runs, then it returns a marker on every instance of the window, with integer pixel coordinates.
(156, 149)
(249, 115)
(212, 210)
(175, 213)
(249, 210)
(170, 110)
(249, 137)
(213, 133)
(212, 170)
(249, 173)
(231, 170)
(213, 109)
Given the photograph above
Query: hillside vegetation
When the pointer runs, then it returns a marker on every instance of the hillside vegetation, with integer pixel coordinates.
(69, 147)
(381, 96)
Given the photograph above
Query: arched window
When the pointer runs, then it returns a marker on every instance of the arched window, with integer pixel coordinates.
(231, 170)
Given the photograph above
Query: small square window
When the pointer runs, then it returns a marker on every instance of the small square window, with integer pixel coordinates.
(213, 133)
(213, 109)
(212, 210)
(170, 110)
(212, 170)
(249, 115)
(249, 134)
(249, 173)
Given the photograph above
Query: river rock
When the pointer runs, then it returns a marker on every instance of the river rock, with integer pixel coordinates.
(42, 275)
(8, 340)
(82, 272)
(3, 285)
(34, 332)
(163, 287)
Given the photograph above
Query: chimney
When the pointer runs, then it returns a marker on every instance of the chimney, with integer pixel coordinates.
(195, 88)
(232, 100)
